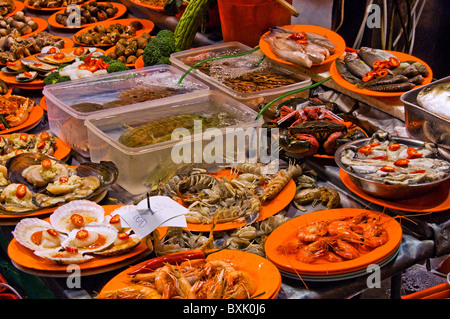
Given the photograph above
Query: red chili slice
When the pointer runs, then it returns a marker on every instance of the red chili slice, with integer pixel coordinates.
(21, 191)
(401, 162)
(365, 150)
(375, 144)
(23, 137)
(394, 62)
(382, 72)
(368, 76)
(123, 236)
(81, 234)
(44, 136)
(387, 169)
(382, 157)
(115, 219)
(71, 250)
(40, 145)
(46, 163)
(419, 171)
(77, 219)
(394, 147)
(63, 179)
(52, 232)
(413, 153)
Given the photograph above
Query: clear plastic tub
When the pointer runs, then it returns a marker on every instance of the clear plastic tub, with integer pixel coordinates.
(69, 103)
(143, 166)
(224, 69)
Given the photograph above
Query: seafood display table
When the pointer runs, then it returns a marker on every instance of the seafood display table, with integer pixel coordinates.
(425, 235)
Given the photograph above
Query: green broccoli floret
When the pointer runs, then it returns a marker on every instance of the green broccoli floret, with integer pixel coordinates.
(159, 48)
(107, 59)
(52, 78)
(117, 66)
(64, 78)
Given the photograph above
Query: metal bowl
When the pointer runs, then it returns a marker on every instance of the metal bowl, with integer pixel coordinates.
(387, 191)
(423, 124)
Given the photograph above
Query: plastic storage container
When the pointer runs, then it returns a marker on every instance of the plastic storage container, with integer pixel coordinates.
(237, 66)
(66, 101)
(141, 167)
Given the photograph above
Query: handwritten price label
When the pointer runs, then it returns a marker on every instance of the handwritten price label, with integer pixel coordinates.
(164, 212)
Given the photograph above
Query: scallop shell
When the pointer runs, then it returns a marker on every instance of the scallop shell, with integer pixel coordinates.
(100, 237)
(90, 211)
(63, 257)
(120, 226)
(121, 246)
(28, 226)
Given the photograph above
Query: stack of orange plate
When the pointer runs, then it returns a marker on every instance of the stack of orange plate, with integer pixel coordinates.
(266, 275)
(322, 270)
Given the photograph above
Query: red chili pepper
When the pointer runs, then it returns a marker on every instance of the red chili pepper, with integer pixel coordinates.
(420, 171)
(382, 72)
(87, 59)
(394, 147)
(394, 62)
(382, 157)
(82, 66)
(40, 145)
(375, 144)
(63, 179)
(23, 137)
(52, 232)
(368, 76)
(81, 234)
(46, 163)
(28, 74)
(377, 64)
(44, 136)
(401, 162)
(71, 250)
(365, 150)
(172, 259)
(413, 153)
(2, 126)
(21, 191)
(92, 68)
(387, 169)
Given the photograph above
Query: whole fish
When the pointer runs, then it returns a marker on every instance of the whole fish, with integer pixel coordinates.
(436, 98)
(313, 38)
(370, 55)
(355, 65)
(345, 73)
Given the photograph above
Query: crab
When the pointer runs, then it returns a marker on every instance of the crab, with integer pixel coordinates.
(310, 128)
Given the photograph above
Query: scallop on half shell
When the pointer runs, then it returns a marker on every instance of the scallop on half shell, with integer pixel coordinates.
(115, 220)
(63, 257)
(37, 234)
(124, 243)
(76, 214)
(92, 238)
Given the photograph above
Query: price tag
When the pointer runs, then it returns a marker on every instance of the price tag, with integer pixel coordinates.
(163, 211)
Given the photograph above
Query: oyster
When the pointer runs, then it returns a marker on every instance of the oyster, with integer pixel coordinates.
(76, 214)
(64, 257)
(92, 238)
(124, 243)
(37, 234)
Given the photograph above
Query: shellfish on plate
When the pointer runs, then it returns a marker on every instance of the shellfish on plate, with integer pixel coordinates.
(64, 257)
(37, 234)
(76, 214)
(91, 238)
(85, 181)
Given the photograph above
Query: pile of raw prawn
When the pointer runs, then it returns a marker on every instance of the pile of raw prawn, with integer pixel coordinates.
(190, 279)
(336, 240)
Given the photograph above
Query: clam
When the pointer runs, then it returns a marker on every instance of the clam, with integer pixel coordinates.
(63, 257)
(124, 243)
(56, 58)
(50, 49)
(92, 238)
(37, 234)
(76, 214)
(47, 172)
